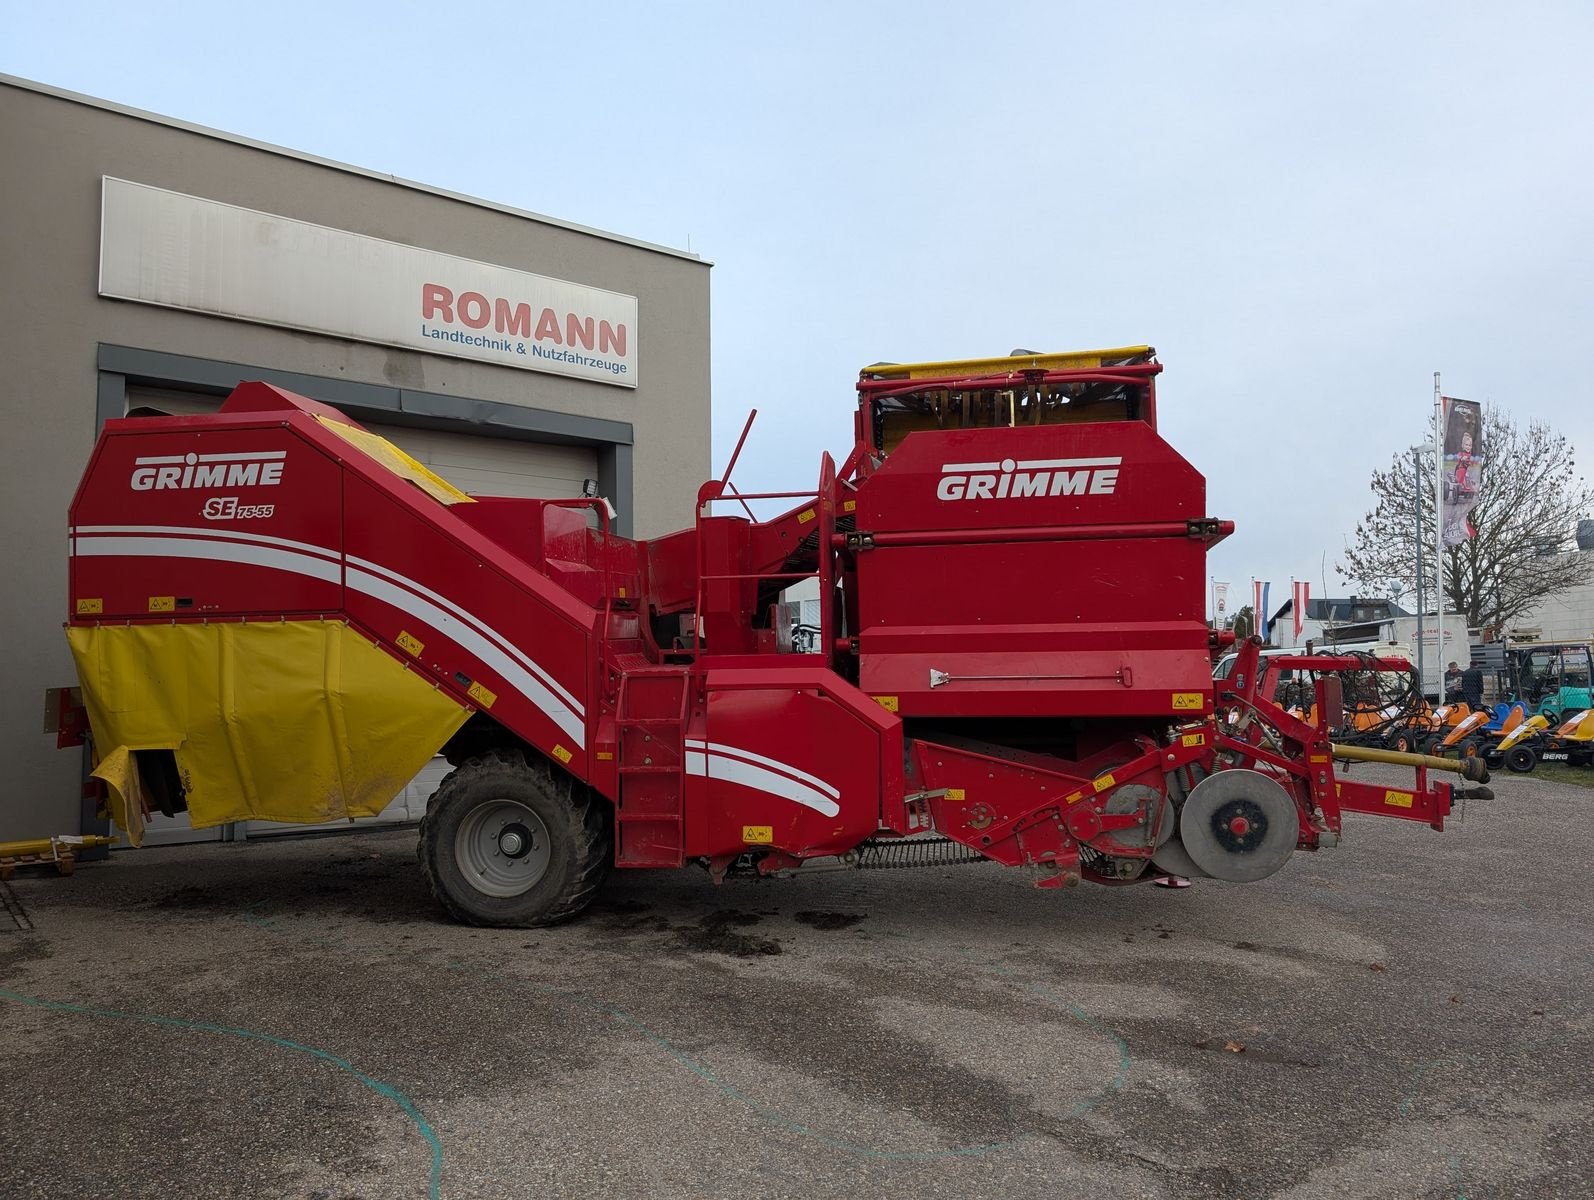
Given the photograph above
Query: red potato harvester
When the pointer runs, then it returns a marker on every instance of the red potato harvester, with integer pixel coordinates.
(276, 614)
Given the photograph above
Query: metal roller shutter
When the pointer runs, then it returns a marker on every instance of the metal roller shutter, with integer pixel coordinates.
(481, 465)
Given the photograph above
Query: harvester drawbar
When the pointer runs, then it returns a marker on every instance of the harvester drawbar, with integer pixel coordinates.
(277, 614)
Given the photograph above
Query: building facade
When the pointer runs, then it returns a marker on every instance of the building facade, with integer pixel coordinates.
(1567, 617)
(152, 265)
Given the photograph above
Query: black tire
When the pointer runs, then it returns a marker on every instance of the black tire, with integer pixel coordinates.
(574, 846)
(1404, 742)
(1430, 744)
(1521, 759)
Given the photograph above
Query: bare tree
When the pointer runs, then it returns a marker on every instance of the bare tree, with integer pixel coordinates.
(1526, 517)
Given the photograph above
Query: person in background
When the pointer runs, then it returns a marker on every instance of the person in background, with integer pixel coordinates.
(1472, 686)
(1452, 683)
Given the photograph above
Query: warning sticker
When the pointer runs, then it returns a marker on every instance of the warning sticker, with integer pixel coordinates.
(1193, 739)
(889, 703)
(1398, 799)
(485, 696)
(1188, 700)
(805, 516)
(410, 645)
(163, 604)
(1103, 782)
(561, 753)
(758, 835)
(87, 607)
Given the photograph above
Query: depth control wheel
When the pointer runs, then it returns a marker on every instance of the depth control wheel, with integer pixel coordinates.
(1239, 825)
(512, 841)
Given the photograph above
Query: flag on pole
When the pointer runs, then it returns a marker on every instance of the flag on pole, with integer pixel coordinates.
(1220, 600)
(1259, 591)
(1300, 596)
(1461, 472)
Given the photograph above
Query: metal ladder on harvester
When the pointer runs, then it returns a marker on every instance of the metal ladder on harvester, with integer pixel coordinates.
(651, 717)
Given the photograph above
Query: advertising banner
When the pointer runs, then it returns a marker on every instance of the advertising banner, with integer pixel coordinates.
(1220, 600)
(1461, 469)
(165, 248)
(1259, 591)
(1300, 597)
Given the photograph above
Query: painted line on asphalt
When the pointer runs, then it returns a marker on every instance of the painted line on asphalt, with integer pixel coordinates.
(385, 1090)
(769, 1113)
(1417, 1076)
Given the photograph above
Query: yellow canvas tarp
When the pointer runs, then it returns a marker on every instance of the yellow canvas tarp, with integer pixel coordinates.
(395, 460)
(301, 721)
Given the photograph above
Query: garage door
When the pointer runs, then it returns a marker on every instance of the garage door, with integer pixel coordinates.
(484, 466)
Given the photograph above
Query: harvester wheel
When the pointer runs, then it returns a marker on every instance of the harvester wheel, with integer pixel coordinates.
(512, 841)
(1521, 759)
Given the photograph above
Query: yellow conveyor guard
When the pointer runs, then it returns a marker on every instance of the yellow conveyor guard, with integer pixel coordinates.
(297, 721)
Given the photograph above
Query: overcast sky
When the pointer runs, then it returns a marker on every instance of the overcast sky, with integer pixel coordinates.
(1307, 209)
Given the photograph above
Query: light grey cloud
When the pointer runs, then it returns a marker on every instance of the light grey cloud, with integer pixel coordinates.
(1308, 211)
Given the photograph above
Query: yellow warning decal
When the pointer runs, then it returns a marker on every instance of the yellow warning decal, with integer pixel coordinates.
(1188, 699)
(805, 516)
(1074, 797)
(561, 753)
(163, 604)
(605, 756)
(87, 607)
(1103, 782)
(1193, 739)
(889, 703)
(1398, 799)
(1317, 758)
(955, 795)
(621, 593)
(849, 506)
(485, 696)
(758, 835)
(410, 645)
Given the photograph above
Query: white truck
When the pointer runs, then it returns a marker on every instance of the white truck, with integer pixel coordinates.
(1456, 646)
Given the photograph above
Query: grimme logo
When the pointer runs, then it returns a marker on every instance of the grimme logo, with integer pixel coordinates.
(255, 468)
(1010, 480)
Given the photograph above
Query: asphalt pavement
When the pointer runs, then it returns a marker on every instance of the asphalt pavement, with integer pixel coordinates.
(1408, 1015)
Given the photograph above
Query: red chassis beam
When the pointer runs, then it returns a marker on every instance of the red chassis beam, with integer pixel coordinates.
(1303, 751)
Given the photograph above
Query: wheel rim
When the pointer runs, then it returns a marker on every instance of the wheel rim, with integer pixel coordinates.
(502, 848)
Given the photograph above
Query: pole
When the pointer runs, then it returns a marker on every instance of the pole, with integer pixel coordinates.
(1439, 528)
(1422, 609)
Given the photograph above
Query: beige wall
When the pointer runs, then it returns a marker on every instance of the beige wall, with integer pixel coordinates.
(54, 152)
